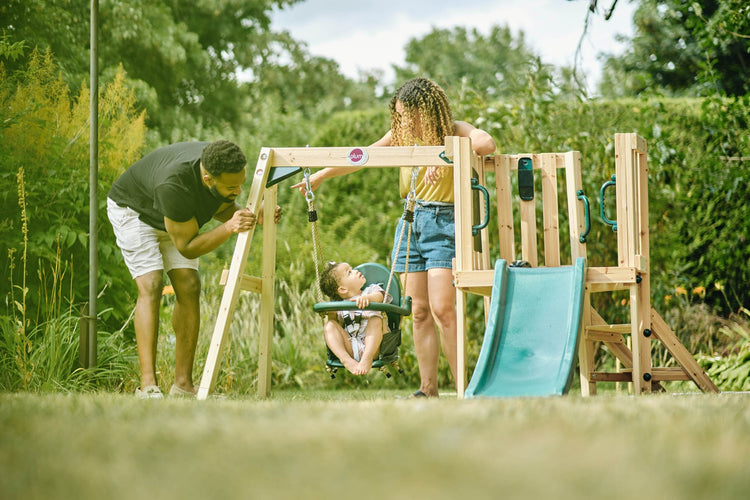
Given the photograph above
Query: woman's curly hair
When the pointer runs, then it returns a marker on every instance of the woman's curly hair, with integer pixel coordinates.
(426, 109)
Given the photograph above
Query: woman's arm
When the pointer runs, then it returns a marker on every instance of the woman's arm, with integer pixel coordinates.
(481, 142)
(318, 177)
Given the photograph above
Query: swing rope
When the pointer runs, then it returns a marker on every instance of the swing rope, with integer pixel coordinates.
(408, 216)
(312, 217)
(408, 220)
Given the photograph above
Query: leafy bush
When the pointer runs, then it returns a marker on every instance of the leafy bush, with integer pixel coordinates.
(44, 144)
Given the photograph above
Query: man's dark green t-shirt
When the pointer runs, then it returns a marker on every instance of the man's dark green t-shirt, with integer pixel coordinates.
(167, 183)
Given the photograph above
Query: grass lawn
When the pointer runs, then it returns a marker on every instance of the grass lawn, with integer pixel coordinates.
(370, 444)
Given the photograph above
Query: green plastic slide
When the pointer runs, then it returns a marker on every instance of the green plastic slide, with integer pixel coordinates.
(531, 339)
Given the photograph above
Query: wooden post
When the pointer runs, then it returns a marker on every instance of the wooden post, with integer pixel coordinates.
(268, 281)
(460, 148)
(632, 248)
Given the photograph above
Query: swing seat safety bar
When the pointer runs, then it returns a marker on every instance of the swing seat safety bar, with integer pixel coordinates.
(347, 305)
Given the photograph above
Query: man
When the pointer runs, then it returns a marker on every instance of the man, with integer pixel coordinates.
(157, 208)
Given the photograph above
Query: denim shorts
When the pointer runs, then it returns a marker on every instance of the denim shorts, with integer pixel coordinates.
(144, 248)
(433, 238)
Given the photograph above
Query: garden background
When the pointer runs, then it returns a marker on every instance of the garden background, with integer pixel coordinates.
(169, 74)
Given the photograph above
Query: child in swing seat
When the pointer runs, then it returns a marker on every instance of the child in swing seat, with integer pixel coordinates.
(353, 336)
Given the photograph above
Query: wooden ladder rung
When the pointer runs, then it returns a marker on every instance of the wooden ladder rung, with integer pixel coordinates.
(607, 333)
(247, 282)
(607, 279)
(669, 373)
(623, 376)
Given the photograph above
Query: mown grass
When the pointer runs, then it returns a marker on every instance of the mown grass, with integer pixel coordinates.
(369, 444)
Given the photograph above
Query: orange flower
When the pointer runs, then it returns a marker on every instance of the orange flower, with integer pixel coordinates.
(167, 290)
(699, 290)
(680, 290)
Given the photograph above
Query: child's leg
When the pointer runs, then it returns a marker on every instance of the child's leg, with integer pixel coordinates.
(373, 338)
(338, 342)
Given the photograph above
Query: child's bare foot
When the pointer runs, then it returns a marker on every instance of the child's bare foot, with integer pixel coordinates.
(363, 367)
(351, 365)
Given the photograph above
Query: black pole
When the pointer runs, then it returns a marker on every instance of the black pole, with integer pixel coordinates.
(93, 183)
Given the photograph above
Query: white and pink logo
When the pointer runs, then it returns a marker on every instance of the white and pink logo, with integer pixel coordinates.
(357, 157)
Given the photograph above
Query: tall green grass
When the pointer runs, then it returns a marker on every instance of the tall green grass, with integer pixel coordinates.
(39, 353)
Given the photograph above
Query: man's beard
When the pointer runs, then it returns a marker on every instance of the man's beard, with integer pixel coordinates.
(225, 199)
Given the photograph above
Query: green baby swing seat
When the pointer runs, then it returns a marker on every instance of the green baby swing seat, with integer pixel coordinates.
(375, 273)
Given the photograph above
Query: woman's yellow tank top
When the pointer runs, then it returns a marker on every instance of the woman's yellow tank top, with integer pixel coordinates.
(441, 191)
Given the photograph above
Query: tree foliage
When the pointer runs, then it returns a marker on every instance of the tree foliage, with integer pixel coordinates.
(496, 65)
(44, 149)
(684, 48)
(198, 68)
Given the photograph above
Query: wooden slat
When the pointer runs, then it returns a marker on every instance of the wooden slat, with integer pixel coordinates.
(550, 212)
(504, 208)
(528, 232)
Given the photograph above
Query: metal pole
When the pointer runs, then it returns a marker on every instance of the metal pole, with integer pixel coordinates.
(93, 182)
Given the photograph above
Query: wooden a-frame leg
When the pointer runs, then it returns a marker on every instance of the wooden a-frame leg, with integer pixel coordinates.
(688, 363)
(232, 288)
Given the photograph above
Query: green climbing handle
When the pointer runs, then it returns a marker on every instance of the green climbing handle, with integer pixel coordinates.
(587, 215)
(478, 187)
(602, 192)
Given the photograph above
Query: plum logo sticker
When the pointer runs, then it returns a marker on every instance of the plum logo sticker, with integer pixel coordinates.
(357, 157)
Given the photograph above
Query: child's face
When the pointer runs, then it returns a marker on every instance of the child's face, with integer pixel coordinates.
(350, 280)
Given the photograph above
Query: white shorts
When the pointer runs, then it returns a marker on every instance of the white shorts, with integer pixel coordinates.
(144, 248)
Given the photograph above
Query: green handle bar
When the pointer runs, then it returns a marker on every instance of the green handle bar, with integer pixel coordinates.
(348, 305)
(478, 187)
(587, 215)
(602, 192)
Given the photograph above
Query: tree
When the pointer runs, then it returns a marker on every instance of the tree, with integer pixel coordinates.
(496, 64)
(499, 65)
(44, 185)
(183, 58)
(684, 48)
